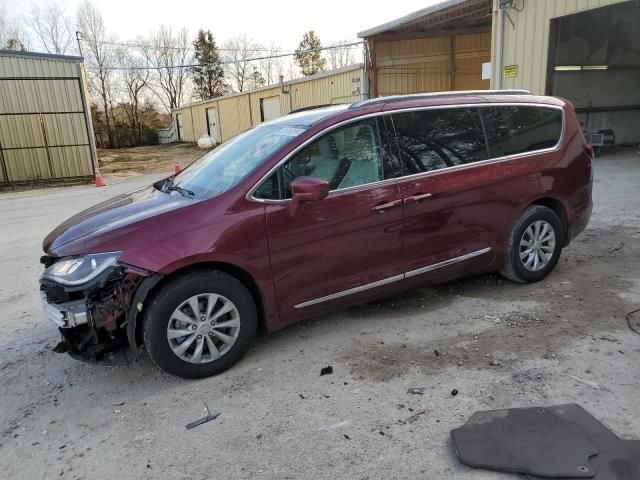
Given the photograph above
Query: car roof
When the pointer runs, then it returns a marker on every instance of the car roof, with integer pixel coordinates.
(313, 115)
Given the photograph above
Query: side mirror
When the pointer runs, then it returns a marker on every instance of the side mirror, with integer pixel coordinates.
(309, 189)
(305, 190)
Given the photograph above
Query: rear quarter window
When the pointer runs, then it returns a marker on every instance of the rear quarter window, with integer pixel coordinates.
(514, 129)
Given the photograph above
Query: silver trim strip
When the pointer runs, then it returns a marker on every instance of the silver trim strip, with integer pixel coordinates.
(351, 291)
(249, 196)
(446, 263)
(395, 278)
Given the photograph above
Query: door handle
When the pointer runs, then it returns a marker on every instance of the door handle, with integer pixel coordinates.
(417, 198)
(383, 207)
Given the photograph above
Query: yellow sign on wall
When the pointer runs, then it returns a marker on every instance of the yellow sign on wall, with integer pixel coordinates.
(510, 71)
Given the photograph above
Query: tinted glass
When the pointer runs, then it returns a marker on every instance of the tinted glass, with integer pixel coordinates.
(519, 129)
(345, 157)
(226, 166)
(439, 138)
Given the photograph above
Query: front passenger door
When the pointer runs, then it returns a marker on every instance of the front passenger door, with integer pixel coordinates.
(342, 247)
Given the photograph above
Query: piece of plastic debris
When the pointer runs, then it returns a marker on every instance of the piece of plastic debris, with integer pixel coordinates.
(347, 436)
(416, 391)
(436, 352)
(328, 370)
(454, 392)
(207, 418)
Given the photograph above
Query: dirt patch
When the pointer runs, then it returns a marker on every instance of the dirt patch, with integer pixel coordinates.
(147, 159)
(586, 302)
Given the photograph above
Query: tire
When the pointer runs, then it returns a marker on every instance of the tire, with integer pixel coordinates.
(515, 268)
(170, 314)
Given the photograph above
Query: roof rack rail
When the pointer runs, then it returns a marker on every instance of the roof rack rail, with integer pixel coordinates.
(418, 96)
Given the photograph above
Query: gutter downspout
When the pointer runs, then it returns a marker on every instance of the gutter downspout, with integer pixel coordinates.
(499, 46)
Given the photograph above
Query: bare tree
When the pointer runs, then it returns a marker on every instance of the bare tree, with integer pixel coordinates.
(168, 56)
(13, 35)
(100, 57)
(271, 68)
(340, 56)
(134, 79)
(238, 52)
(52, 27)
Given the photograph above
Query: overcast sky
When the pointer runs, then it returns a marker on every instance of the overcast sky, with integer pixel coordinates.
(281, 21)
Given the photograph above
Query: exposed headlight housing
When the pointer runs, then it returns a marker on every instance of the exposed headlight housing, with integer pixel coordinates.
(75, 271)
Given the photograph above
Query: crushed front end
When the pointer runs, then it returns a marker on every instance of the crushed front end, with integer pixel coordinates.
(94, 301)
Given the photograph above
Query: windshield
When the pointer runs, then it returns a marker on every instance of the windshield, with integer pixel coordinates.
(230, 163)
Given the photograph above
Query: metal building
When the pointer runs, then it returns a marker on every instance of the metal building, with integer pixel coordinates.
(225, 117)
(587, 51)
(45, 125)
(441, 47)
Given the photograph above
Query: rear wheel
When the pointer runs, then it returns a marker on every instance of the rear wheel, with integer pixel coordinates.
(199, 324)
(535, 244)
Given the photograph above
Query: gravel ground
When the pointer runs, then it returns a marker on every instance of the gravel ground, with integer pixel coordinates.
(499, 344)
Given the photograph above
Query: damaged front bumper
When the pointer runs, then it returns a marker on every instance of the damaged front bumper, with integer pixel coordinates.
(97, 320)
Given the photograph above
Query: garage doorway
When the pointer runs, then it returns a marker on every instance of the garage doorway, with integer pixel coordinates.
(594, 61)
(212, 124)
(180, 127)
(269, 108)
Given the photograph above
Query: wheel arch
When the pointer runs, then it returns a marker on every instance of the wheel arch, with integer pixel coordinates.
(559, 209)
(237, 272)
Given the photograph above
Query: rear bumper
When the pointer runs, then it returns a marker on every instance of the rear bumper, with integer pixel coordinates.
(581, 206)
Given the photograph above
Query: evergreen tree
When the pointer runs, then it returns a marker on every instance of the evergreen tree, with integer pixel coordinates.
(308, 56)
(208, 75)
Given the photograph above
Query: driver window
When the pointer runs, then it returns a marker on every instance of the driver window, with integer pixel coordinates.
(345, 157)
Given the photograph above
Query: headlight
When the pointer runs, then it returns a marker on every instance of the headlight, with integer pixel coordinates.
(78, 270)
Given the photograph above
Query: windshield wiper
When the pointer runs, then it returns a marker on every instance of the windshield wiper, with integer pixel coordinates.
(182, 191)
(169, 186)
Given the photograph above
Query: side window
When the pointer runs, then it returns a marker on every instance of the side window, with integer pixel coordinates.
(269, 188)
(519, 129)
(345, 157)
(439, 138)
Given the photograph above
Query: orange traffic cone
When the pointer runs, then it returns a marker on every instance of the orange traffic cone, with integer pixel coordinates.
(177, 168)
(99, 179)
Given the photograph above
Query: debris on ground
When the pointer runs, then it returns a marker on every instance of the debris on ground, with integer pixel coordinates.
(454, 392)
(619, 247)
(207, 418)
(586, 382)
(635, 327)
(416, 391)
(328, 370)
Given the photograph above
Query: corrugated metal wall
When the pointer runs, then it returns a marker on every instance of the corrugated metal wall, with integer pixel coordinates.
(43, 123)
(420, 65)
(527, 44)
(239, 112)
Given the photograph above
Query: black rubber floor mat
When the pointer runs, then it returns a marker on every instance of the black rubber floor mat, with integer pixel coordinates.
(525, 440)
(617, 459)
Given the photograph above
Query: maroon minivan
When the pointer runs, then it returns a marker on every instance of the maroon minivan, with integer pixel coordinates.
(314, 211)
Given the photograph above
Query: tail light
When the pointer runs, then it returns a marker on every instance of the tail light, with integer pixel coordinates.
(589, 149)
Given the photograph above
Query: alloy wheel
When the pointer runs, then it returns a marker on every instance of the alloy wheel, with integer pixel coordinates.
(537, 245)
(203, 328)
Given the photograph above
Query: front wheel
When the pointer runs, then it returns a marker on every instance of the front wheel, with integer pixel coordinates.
(535, 243)
(199, 324)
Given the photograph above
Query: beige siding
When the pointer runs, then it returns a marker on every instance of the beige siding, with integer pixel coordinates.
(239, 112)
(425, 64)
(43, 129)
(527, 45)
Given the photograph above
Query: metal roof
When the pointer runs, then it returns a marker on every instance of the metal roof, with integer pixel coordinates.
(442, 15)
(44, 56)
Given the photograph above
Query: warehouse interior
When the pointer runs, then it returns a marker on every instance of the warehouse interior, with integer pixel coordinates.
(441, 47)
(594, 61)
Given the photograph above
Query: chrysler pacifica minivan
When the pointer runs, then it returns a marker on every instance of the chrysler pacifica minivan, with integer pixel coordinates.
(315, 211)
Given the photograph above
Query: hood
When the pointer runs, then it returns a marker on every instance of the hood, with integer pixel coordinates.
(106, 217)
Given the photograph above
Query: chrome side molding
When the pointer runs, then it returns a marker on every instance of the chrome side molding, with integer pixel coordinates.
(395, 278)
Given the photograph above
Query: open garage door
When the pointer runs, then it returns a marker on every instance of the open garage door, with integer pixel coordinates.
(270, 108)
(594, 61)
